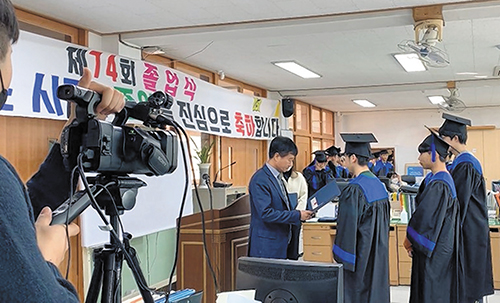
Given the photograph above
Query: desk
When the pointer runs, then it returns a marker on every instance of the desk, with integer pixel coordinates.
(404, 262)
(319, 238)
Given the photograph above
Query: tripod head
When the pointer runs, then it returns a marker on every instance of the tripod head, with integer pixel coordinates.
(121, 193)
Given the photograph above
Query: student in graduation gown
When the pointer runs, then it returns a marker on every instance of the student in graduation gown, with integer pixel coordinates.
(433, 233)
(317, 174)
(362, 240)
(333, 156)
(382, 166)
(471, 193)
(372, 161)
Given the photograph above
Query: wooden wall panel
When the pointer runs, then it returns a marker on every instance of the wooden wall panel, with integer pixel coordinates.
(304, 156)
(249, 155)
(485, 144)
(25, 142)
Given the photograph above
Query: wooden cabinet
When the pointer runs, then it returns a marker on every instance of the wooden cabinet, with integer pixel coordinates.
(315, 144)
(302, 120)
(495, 254)
(319, 238)
(327, 122)
(404, 264)
(484, 143)
(316, 125)
(405, 261)
(393, 256)
(304, 156)
(318, 243)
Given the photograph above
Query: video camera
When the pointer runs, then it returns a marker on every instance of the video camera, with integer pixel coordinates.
(114, 148)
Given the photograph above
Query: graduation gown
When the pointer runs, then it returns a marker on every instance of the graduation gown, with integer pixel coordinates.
(381, 169)
(316, 179)
(471, 193)
(362, 240)
(434, 232)
(338, 171)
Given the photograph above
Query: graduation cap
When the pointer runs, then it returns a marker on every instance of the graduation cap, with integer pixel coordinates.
(358, 144)
(383, 152)
(453, 125)
(333, 151)
(320, 156)
(434, 144)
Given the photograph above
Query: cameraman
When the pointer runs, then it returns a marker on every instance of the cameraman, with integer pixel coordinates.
(30, 250)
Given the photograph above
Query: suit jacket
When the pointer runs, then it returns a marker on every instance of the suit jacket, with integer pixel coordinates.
(270, 217)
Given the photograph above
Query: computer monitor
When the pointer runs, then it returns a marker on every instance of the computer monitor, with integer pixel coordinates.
(386, 181)
(276, 280)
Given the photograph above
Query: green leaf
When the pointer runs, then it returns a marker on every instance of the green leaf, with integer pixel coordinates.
(203, 154)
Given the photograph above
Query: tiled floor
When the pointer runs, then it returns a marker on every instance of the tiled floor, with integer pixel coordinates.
(401, 294)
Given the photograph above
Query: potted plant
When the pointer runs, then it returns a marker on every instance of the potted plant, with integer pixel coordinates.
(203, 155)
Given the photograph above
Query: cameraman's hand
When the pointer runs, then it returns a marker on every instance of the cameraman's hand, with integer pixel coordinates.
(112, 100)
(52, 240)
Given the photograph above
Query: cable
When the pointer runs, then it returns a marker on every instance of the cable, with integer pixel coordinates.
(201, 212)
(141, 48)
(71, 192)
(181, 210)
(211, 197)
(105, 188)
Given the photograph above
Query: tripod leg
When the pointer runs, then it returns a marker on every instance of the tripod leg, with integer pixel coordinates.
(109, 274)
(138, 275)
(95, 282)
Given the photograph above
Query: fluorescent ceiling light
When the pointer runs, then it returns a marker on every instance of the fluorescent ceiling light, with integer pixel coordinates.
(297, 69)
(364, 103)
(410, 62)
(481, 76)
(436, 99)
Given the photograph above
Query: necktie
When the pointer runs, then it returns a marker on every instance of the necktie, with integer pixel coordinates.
(285, 194)
(283, 189)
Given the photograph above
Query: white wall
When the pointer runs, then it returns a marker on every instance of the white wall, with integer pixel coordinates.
(404, 130)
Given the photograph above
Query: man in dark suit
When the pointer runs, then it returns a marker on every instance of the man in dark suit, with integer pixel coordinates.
(272, 214)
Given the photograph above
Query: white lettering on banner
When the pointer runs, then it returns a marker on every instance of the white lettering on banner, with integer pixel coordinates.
(198, 105)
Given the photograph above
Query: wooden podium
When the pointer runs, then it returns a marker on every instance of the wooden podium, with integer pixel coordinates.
(227, 240)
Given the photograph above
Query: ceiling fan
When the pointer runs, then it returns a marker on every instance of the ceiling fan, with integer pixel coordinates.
(427, 34)
(452, 103)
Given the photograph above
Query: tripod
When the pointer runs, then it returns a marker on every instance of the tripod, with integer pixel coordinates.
(108, 261)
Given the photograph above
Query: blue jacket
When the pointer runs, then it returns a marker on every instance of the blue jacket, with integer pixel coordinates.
(381, 169)
(271, 218)
(26, 276)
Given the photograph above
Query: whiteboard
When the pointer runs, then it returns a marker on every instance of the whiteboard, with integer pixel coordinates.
(157, 208)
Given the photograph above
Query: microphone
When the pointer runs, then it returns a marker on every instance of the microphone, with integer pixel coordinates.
(220, 183)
